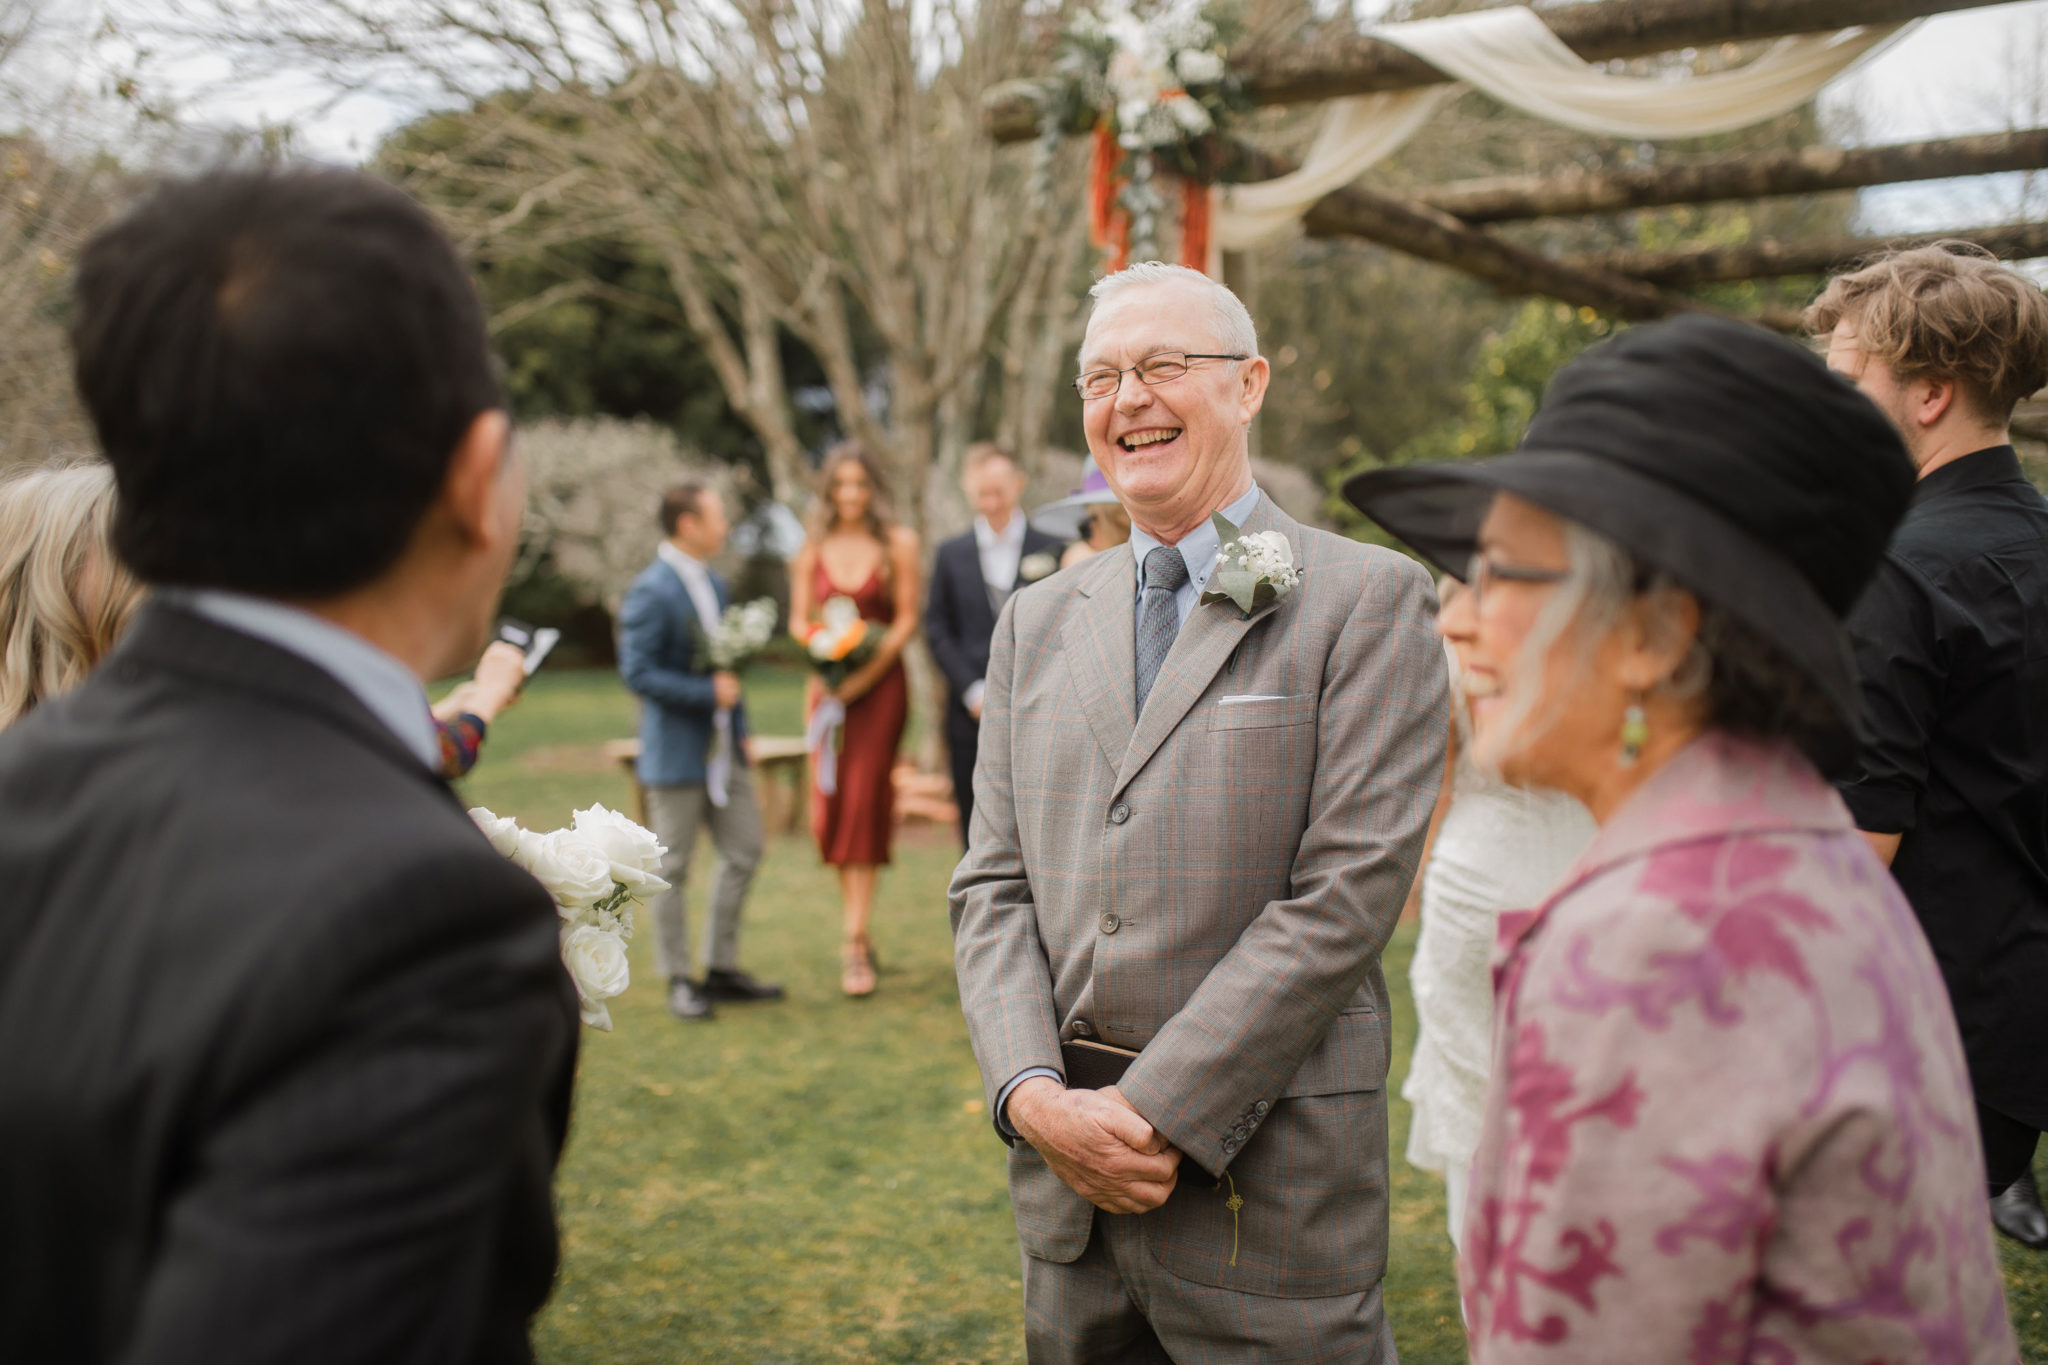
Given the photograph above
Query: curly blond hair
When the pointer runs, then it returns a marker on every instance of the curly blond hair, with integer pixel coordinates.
(64, 597)
(1951, 310)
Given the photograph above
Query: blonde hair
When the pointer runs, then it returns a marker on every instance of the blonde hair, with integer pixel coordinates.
(983, 453)
(64, 597)
(1946, 311)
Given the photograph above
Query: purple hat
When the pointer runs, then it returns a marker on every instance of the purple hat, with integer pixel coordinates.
(1062, 519)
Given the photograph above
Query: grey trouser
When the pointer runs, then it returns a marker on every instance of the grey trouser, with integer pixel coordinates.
(678, 813)
(1116, 1304)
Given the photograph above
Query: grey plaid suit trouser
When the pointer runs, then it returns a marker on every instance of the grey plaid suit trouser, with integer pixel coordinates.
(1117, 1305)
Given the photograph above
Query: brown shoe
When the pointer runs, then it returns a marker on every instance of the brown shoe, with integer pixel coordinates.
(859, 977)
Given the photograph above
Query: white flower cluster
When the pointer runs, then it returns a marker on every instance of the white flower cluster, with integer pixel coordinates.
(743, 631)
(597, 870)
(1157, 59)
(1266, 556)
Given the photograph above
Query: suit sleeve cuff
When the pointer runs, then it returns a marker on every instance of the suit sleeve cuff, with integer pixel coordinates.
(976, 690)
(1880, 810)
(1003, 1097)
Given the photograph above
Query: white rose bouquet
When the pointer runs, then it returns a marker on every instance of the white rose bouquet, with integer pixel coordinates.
(741, 633)
(597, 870)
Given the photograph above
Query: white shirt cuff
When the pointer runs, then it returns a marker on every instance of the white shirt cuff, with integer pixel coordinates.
(1003, 1098)
(976, 690)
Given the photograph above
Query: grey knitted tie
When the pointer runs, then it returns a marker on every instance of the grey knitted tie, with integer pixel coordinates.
(1158, 618)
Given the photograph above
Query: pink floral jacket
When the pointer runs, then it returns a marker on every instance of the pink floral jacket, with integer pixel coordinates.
(1729, 1118)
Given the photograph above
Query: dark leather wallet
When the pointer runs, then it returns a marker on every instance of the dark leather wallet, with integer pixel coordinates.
(1094, 1066)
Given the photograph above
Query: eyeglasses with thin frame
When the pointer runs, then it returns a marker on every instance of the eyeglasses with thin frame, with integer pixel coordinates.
(1481, 571)
(1163, 368)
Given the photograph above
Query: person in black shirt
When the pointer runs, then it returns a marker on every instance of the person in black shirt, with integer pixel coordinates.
(1951, 642)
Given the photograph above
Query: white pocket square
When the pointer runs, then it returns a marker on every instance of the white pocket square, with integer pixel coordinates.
(1250, 696)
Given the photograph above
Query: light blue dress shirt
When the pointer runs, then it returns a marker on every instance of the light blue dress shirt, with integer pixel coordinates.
(385, 687)
(1199, 549)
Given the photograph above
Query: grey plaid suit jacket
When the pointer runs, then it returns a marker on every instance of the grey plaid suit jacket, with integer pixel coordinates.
(1212, 883)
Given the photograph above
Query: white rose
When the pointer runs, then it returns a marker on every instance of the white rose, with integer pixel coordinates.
(1198, 66)
(502, 830)
(1190, 115)
(573, 869)
(596, 961)
(839, 613)
(634, 852)
(1031, 568)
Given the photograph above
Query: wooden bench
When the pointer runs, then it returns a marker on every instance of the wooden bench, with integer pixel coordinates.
(782, 779)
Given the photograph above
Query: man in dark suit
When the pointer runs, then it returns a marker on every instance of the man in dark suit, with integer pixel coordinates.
(972, 576)
(288, 1047)
(693, 748)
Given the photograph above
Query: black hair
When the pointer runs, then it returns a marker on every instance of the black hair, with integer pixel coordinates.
(1752, 689)
(685, 499)
(279, 365)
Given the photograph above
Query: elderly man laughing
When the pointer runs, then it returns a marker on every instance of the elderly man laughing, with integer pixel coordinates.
(1203, 788)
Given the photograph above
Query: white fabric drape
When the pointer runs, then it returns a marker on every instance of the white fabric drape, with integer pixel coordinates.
(1513, 56)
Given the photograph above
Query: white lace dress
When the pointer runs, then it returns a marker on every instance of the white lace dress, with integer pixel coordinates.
(1499, 848)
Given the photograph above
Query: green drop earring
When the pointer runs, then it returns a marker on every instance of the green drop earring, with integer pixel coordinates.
(1635, 733)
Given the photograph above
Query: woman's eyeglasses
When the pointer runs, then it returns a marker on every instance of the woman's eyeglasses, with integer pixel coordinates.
(1163, 368)
(1480, 572)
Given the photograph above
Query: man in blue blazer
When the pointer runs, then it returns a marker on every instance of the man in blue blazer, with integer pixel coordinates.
(693, 748)
(972, 576)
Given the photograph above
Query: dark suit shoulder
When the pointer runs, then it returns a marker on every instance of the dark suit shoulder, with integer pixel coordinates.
(230, 830)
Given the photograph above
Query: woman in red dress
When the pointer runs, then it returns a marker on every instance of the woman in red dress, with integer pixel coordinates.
(855, 550)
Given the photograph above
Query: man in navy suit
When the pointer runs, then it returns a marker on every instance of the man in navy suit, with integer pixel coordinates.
(693, 748)
(973, 575)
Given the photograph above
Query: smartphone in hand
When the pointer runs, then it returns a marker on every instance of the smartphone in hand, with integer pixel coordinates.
(535, 641)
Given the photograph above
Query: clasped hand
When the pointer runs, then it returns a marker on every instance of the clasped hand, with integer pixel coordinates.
(1096, 1142)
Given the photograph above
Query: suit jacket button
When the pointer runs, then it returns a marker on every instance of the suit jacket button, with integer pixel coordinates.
(1110, 923)
(1119, 813)
(1083, 1029)
(1260, 1108)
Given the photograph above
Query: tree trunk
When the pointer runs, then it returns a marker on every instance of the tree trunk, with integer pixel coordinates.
(1358, 64)
(750, 372)
(1768, 258)
(1746, 175)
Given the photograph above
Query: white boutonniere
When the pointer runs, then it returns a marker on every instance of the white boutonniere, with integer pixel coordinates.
(1031, 568)
(1251, 570)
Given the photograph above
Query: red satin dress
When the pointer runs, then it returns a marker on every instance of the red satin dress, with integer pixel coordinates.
(853, 824)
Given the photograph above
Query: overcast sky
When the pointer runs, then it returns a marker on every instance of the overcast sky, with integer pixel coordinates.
(1973, 71)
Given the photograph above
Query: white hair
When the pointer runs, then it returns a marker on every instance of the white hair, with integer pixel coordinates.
(1601, 581)
(1234, 329)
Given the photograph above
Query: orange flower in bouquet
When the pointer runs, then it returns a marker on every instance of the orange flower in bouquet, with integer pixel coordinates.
(842, 641)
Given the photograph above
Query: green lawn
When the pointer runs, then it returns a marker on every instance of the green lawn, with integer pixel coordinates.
(816, 1180)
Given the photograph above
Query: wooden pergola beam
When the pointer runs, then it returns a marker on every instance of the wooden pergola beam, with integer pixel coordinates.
(1769, 258)
(1356, 64)
(1746, 175)
(1436, 236)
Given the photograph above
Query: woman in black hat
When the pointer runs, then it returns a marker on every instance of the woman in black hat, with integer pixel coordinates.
(1729, 1117)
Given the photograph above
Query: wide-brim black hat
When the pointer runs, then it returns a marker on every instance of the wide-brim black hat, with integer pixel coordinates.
(1727, 457)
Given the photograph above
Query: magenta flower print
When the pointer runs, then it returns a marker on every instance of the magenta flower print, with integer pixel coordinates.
(1730, 1122)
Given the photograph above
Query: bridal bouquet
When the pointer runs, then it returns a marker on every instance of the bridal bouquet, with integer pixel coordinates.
(836, 646)
(742, 632)
(842, 641)
(597, 870)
